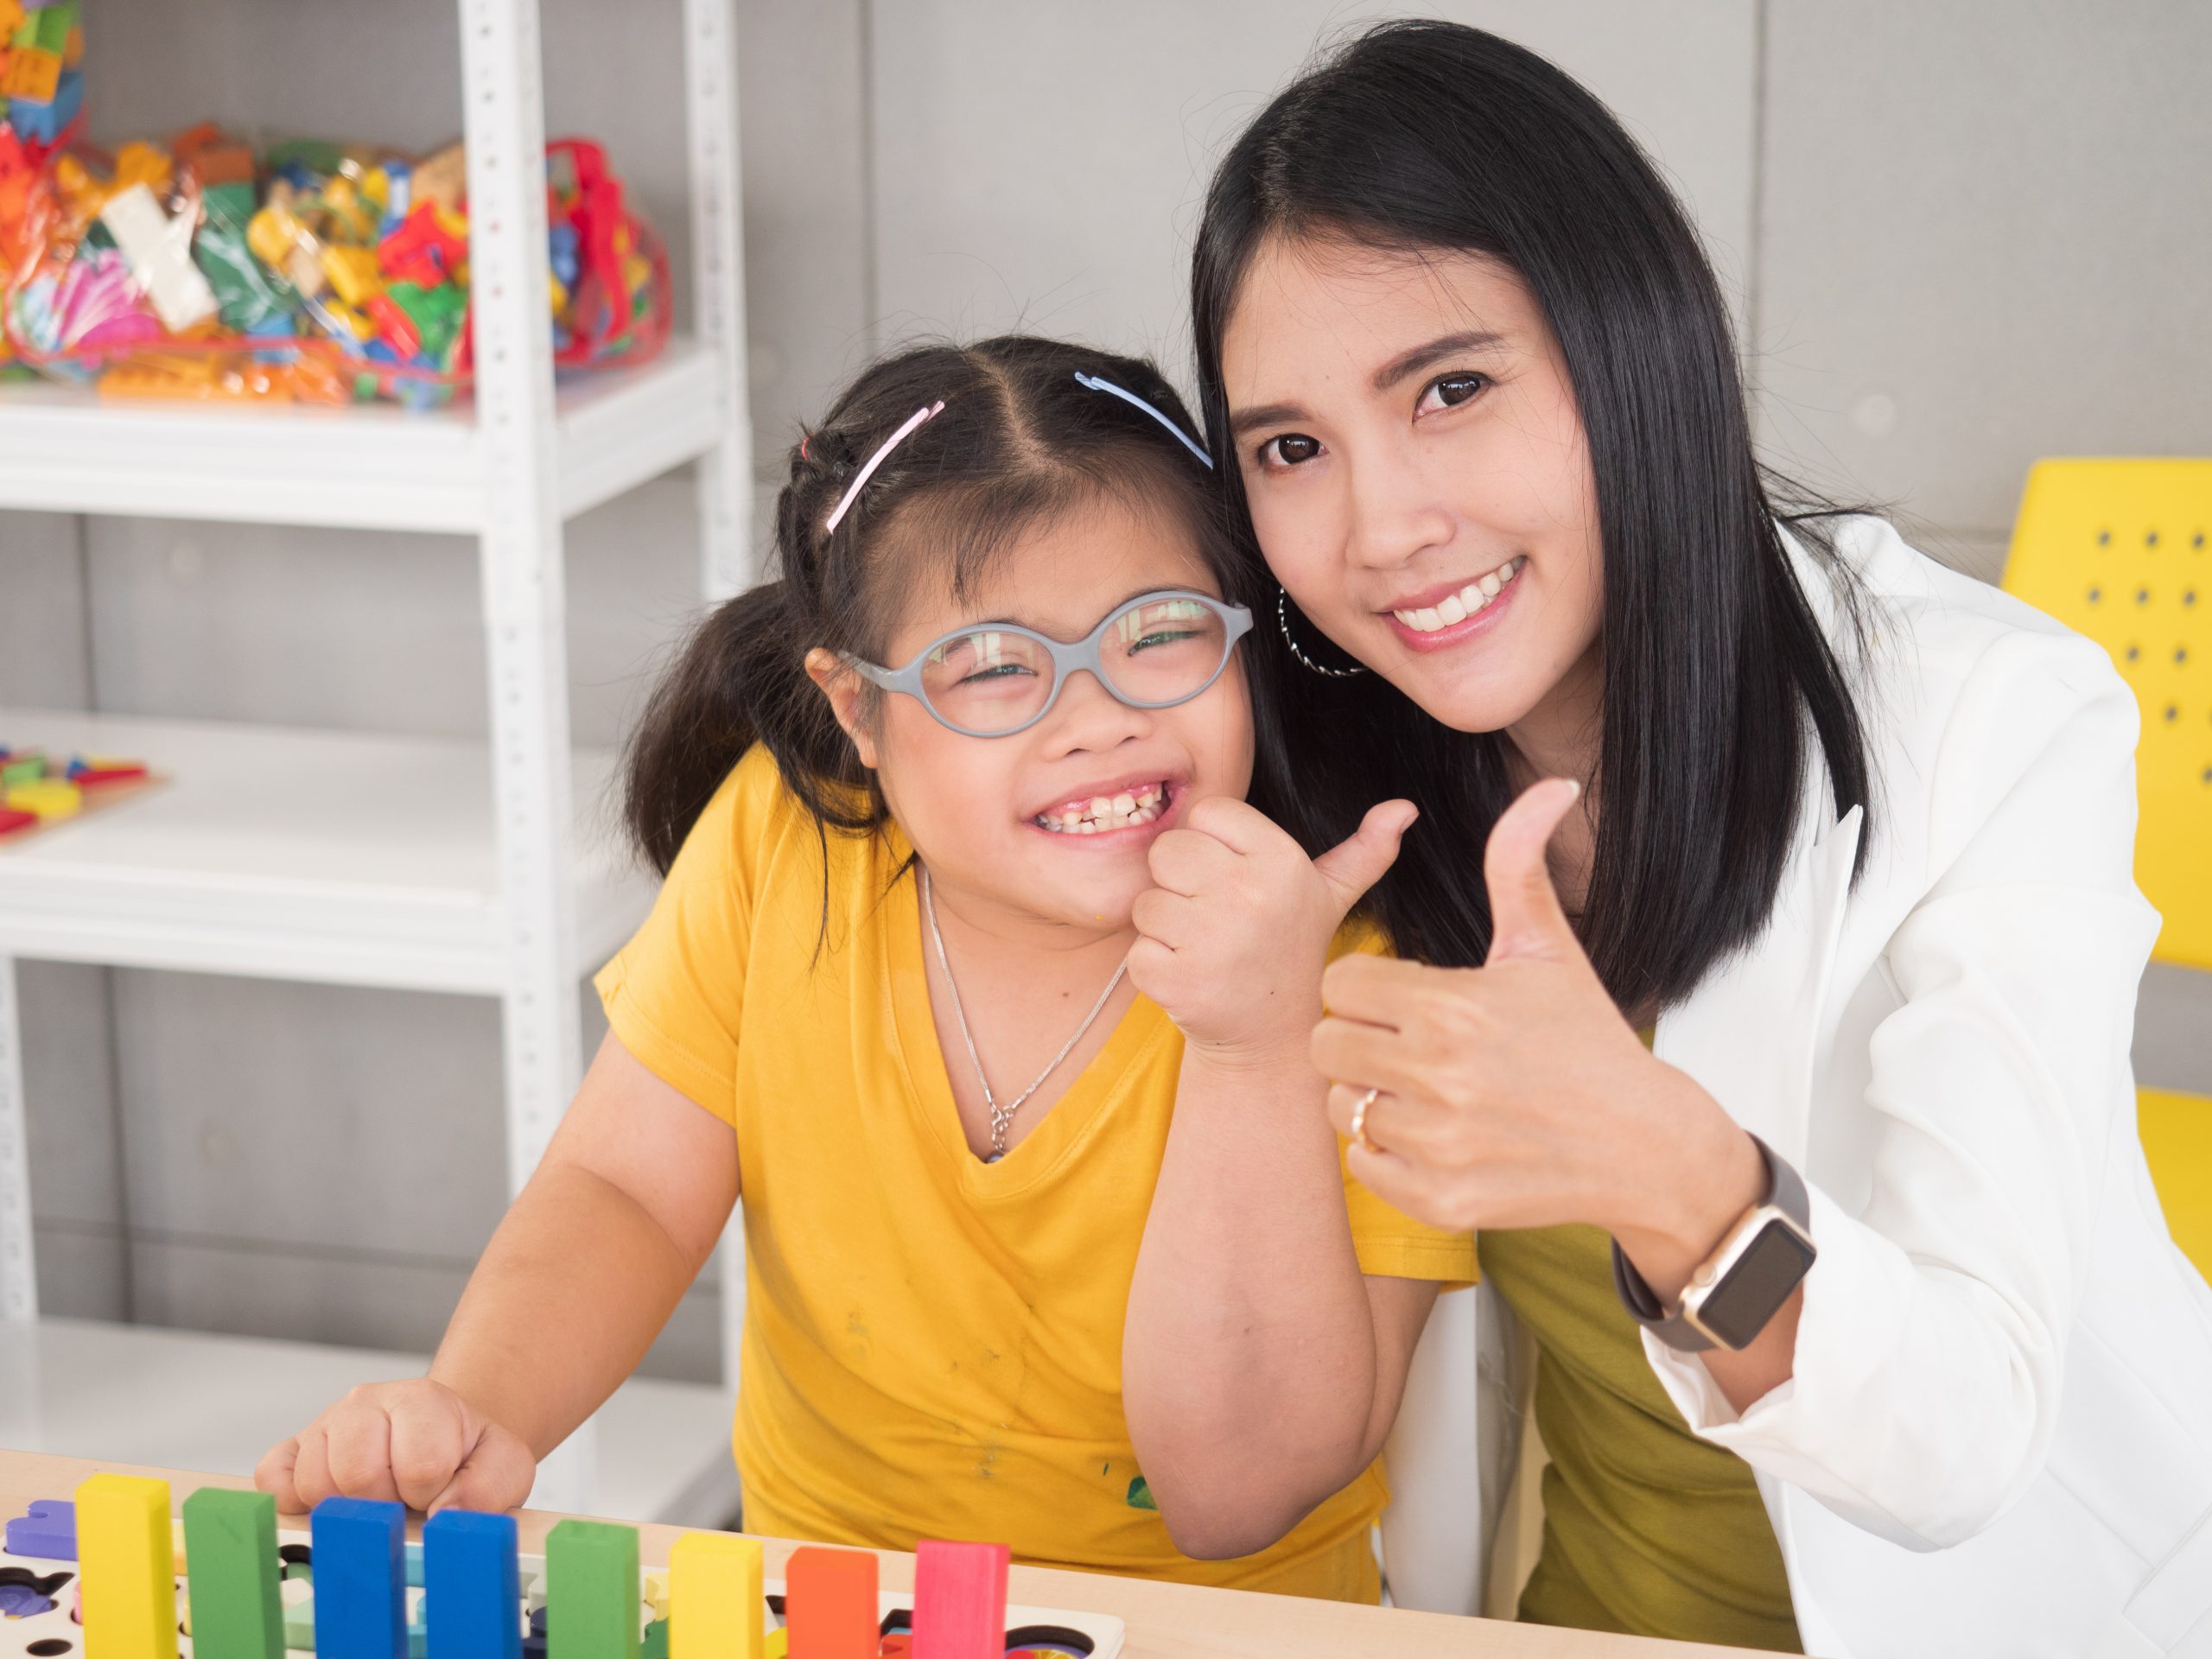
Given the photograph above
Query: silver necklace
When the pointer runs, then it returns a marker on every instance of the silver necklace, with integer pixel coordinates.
(1002, 1116)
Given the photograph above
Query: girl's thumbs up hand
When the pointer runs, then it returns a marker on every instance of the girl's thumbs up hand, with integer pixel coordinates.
(1515, 1094)
(1232, 936)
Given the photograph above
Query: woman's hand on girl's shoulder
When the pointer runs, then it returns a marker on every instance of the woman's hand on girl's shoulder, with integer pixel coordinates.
(1233, 936)
(414, 1442)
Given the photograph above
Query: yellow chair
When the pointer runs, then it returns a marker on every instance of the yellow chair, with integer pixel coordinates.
(2122, 550)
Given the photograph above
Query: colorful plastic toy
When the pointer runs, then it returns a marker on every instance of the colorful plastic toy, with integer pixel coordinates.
(167, 270)
(36, 790)
(352, 1588)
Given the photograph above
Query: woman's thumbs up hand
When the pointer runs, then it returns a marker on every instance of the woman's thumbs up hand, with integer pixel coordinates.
(1515, 1094)
(1526, 920)
(1232, 936)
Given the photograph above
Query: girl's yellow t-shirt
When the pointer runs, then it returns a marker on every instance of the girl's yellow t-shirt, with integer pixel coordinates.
(932, 1345)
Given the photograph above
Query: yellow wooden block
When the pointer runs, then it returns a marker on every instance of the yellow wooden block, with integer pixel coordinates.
(714, 1603)
(655, 1584)
(2177, 1133)
(776, 1644)
(50, 797)
(126, 1556)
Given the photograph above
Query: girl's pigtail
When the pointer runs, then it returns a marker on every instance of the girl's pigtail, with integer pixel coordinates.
(741, 680)
(703, 715)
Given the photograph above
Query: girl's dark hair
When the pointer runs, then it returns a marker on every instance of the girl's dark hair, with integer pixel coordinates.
(1427, 136)
(1019, 443)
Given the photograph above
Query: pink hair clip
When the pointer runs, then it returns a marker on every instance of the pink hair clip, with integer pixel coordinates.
(837, 512)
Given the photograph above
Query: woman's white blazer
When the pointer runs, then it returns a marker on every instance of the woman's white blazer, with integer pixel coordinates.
(1998, 1437)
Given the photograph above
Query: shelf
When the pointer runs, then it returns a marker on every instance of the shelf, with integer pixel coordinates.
(374, 466)
(183, 1400)
(338, 856)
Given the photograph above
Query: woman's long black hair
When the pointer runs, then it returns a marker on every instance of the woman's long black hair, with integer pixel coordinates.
(1020, 441)
(1428, 136)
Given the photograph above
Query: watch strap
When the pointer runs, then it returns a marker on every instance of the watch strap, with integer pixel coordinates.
(1785, 1191)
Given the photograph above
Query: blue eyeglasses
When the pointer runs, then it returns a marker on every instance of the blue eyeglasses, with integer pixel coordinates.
(1157, 651)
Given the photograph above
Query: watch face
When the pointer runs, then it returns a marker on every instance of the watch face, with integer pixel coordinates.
(1738, 1308)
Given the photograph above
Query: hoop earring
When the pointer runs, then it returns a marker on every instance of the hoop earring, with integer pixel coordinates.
(1282, 621)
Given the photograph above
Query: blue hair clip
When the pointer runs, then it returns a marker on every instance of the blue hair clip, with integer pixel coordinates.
(1182, 437)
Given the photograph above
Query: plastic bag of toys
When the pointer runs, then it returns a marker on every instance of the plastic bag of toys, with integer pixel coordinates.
(304, 271)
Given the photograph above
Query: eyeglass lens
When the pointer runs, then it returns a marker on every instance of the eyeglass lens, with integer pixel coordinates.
(1155, 651)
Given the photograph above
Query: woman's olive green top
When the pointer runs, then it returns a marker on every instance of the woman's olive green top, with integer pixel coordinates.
(1648, 1530)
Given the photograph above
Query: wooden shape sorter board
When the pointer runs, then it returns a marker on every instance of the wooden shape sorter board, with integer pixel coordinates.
(40, 1616)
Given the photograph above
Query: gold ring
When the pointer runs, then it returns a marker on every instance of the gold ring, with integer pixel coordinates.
(1359, 1120)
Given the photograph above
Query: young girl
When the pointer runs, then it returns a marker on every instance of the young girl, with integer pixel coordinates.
(963, 908)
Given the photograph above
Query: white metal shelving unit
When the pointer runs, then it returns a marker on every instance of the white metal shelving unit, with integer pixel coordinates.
(291, 855)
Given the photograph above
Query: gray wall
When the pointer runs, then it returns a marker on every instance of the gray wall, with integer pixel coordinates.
(1958, 238)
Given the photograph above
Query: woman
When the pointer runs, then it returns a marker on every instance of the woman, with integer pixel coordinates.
(1860, 1323)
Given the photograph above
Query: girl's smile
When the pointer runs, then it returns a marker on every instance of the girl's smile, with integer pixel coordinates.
(1127, 812)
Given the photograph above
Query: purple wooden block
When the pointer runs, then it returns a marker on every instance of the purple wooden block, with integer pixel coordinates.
(47, 1529)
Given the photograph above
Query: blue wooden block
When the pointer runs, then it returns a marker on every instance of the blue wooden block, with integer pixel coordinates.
(471, 1587)
(361, 1596)
(47, 1528)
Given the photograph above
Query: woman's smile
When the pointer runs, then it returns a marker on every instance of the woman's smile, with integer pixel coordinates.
(1437, 621)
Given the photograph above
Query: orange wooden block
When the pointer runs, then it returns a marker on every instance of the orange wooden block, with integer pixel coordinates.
(829, 1603)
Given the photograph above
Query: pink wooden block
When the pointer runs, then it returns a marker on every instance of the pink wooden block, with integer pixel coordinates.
(959, 1600)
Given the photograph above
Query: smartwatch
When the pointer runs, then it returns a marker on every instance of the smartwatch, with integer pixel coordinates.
(1744, 1283)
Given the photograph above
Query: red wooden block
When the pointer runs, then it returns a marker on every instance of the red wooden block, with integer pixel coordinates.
(829, 1603)
(959, 1600)
(11, 820)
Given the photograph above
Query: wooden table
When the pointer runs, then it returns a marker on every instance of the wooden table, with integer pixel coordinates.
(1165, 1621)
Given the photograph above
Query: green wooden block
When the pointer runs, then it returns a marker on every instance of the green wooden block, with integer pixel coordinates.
(656, 1645)
(27, 770)
(592, 1603)
(230, 1541)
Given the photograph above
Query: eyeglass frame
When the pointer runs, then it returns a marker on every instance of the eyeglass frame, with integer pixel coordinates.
(1069, 658)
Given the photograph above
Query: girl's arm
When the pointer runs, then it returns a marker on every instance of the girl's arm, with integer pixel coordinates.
(1261, 1370)
(583, 1271)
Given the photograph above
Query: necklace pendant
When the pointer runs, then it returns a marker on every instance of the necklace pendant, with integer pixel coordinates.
(994, 1156)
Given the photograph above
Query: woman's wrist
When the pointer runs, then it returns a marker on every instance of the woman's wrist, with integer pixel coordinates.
(1687, 1190)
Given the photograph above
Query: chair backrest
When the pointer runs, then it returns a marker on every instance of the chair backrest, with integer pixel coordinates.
(2122, 550)
(1452, 1453)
